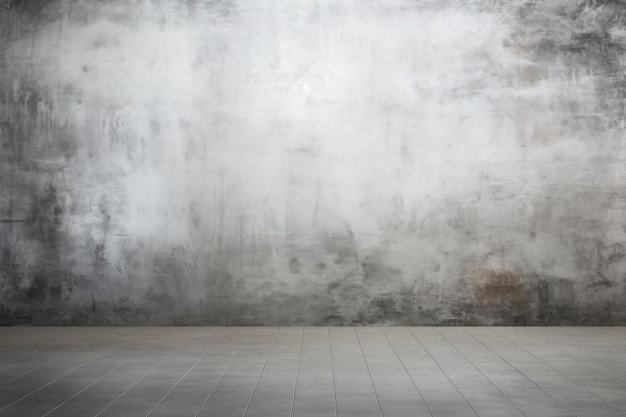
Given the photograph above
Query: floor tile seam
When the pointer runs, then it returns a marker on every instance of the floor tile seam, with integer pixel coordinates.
(332, 370)
(591, 348)
(380, 408)
(17, 339)
(522, 374)
(562, 374)
(482, 373)
(105, 375)
(585, 363)
(184, 375)
(61, 357)
(387, 364)
(245, 411)
(419, 393)
(502, 366)
(144, 376)
(64, 375)
(61, 338)
(245, 342)
(295, 388)
(442, 371)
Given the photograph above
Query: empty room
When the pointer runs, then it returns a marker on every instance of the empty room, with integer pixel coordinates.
(313, 208)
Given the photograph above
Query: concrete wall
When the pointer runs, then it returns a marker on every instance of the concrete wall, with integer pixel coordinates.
(312, 162)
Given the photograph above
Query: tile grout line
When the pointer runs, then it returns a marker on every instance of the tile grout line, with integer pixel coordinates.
(295, 388)
(407, 372)
(380, 408)
(585, 363)
(591, 348)
(245, 343)
(145, 375)
(184, 375)
(596, 332)
(522, 373)
(17, 339)
(332, 370)
(486, 349)
(559, 372)
(481, 372)
(105, 375)
(442, 371)
(52, 360)
(245, 411)
(61, 338)
(65, 374)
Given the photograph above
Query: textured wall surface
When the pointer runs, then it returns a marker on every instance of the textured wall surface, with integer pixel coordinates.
(312, 162)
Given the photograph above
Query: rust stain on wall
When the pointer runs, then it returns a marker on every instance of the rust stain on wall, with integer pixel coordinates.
(503, 287)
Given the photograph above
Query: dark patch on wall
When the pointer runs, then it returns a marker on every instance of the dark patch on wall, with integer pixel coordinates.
(499, 287)
(29, 6)
(294, 265)
(580, 33)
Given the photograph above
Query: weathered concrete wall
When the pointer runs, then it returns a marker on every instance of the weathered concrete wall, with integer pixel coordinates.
(329, 162)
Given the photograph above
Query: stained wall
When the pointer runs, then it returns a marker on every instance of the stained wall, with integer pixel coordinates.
(330, 162)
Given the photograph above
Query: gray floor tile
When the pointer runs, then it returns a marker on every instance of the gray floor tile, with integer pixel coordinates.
(313, 371)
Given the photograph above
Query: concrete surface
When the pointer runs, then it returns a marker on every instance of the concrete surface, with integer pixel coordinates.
(312, 163)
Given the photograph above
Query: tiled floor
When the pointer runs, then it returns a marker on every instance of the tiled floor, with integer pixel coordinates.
(313, 371)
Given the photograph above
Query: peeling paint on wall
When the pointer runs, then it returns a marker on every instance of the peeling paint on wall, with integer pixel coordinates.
(330, 162)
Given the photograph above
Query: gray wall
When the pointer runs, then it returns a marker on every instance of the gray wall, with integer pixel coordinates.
(299, 162)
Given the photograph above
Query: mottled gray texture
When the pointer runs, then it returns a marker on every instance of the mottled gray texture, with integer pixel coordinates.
(332, 162)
